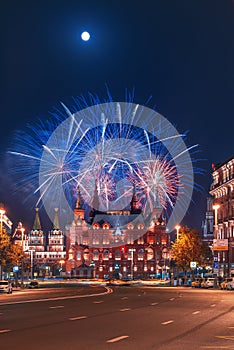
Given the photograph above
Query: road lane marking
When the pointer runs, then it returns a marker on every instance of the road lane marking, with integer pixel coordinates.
(97, 301)
(124, 298)
(108, 291)
(4, 330)
(228, 337)
(139, 295)
(113, 340)
(167, 322)
(77, 318)
(154, 304)
(56, 307)
(216, 347)
(127, 309)
(172, 299)
(196, 312)
(213, 305)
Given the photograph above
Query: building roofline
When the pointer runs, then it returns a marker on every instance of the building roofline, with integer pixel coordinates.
(219, 165)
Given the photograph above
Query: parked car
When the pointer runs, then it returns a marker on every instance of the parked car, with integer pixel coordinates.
(230, 284)
(208, 282)
(5, 287)
(196, 283)
(203, 282)
(33, 284)
(223, 285)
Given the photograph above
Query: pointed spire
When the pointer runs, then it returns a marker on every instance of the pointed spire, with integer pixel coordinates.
(56, 220)
(134, 205)
(157, 203)
(78, 211)
(118, 232)
(95, 203)
(37, 223)
(157, 209)
(78, 201)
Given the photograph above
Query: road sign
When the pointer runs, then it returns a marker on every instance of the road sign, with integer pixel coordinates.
(215, 258)
(220, 244)
(193, 264)
(216, 265)
(15, 268)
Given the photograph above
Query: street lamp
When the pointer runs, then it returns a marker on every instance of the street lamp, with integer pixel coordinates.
(31, 261)
(2, 212)
(177, 227)
(61, 266)
(216, 208)
(132, 250)
(22, 238)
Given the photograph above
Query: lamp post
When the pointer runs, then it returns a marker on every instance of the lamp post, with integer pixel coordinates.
(216, 208)
(132, 250)
(22, 238)
(177, 227)
(2, 212)
(31, 261)
(61, 266)
(23, 249)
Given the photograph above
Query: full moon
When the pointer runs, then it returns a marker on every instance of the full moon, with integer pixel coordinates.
(85, 36)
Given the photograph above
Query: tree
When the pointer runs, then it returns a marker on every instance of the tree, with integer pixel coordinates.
(189, 247)
(10, 254)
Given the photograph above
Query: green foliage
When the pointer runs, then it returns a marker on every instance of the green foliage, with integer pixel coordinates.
(189, 247)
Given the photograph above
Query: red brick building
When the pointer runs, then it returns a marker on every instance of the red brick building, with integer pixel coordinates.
(117, 244)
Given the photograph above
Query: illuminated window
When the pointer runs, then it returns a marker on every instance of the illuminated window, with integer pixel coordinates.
(150, 254)
(141, 254)
(140, 226)
(105, 226)
(96, 226)
(96, 255)
(117, 254)
(106, 255)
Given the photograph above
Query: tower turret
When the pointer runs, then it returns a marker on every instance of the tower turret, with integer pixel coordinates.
(78, 211)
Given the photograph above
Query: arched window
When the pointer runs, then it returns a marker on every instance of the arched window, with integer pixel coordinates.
(140, 226)
(105, 226)
(106, 255)
(96, 226)
(130, 226)
(95, 255)
(117, 254)
(141, 254)
(150, 254)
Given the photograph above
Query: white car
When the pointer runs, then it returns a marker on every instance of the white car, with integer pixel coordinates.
(208, 283)
(230, 284)
(5, 287)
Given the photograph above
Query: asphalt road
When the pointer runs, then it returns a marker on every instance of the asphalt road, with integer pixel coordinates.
(125, 318)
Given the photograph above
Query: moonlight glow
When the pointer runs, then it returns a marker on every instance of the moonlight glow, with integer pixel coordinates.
(85, 36)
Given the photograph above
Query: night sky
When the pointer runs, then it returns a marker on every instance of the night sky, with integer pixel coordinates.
(180, 52)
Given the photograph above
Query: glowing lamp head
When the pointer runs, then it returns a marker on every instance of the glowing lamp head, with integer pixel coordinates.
(216, 206)
(85, 36)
